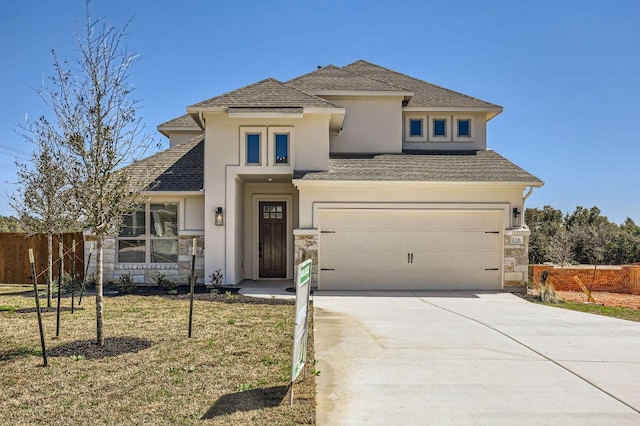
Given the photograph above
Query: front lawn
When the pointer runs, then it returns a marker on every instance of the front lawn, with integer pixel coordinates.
(234, 370)
(609, 311)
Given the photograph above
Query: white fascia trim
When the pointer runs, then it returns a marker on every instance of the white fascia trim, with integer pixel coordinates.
(173, 193)
(453, 109)
(361, 93)
(165, 130)
(336, 184)
(317, 110)
(264, 115)
(195, 110)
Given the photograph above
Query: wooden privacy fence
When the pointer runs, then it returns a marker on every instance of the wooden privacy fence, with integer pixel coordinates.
(14, 256)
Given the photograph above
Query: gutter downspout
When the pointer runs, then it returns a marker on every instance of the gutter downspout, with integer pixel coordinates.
(527, 195)
(524, 199)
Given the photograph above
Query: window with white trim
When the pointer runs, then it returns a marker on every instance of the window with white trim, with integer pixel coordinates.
(150, 235)
(415, 128)
(463, 129)
(253, 146)
(440, 129)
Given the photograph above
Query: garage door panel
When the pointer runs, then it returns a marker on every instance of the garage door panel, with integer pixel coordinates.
(408, 240)
(414, 280)
(379, 221)
(426, 249)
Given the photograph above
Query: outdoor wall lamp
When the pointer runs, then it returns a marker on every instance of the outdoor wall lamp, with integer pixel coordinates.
(219, 220)
(516, 217)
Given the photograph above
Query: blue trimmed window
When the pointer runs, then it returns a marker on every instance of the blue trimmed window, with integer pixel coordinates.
(464, 128)
(282, 148)
(415, 127)
(253, 148)
(440, 127)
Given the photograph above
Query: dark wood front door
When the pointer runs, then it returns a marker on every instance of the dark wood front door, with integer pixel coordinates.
(272, 242)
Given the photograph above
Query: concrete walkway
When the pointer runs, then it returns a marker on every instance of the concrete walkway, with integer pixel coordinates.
(403, 358)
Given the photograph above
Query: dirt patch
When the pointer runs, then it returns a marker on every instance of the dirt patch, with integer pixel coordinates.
(113, 346)
(618, 300)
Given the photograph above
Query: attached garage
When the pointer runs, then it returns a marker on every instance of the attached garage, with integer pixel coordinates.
(428, 249)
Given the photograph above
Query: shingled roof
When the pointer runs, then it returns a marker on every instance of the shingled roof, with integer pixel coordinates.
(182, 121)
(427, 166)
(269, 93)
(425, 94)
(179, 168)
(334, 78)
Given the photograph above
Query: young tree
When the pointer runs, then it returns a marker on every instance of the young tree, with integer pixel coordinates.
(43, 201)
(98, 132)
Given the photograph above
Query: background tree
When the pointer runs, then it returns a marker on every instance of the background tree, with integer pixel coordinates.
(10, 224)
(43, 201)
(98, 133)
(584, 236)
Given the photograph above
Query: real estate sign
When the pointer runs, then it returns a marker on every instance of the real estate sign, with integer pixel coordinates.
(303, 284)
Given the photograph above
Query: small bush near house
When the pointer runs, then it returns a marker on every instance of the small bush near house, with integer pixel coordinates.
(164, 283)
(126, 285)
(547, 292)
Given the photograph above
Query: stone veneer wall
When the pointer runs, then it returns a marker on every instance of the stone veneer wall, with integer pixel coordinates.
(144, 273)
(306, 247)
(516, 257)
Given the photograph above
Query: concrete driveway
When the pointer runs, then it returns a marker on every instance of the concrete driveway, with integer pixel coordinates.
(427, 358)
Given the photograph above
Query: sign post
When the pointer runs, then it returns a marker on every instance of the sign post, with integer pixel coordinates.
(301, 331)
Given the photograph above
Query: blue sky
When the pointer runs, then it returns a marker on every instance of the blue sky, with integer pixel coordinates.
(567, 73)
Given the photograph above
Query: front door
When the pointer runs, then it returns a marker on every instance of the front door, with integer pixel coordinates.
(272, 242)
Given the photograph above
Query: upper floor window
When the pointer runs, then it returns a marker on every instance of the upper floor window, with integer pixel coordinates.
(253, 148)
(440, 127)
(282, 148)
(415, 127)
(150, 235)
(464, 128)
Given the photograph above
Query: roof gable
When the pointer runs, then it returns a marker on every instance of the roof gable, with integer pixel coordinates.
(425, 94)
(268, 93)
(332, 78)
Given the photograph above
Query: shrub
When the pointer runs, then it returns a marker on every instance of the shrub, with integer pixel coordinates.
(126, 284)
(164, 283)
(216, 279)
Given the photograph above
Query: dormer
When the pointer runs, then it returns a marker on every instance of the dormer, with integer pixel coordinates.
(435, 118)
(180, 130)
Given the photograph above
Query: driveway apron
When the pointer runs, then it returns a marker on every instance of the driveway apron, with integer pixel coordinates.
(438, 358)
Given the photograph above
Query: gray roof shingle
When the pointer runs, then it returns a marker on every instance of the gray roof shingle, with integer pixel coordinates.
(427, 166)
(179, 168)
(425, 94)
(182, 121)
(334, 78)
(269, 93)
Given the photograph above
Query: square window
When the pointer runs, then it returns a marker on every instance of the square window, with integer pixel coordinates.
(282, 148)
(133, 225)
(440, 127)
(415, 128)
(164, 220)
(253, 148)
(131, 251)
(164, 251)
(464, 128)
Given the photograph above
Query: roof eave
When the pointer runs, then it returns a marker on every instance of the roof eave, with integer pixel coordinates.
(327, 182)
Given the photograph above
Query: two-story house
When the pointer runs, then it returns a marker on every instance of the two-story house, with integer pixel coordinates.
(384, 180)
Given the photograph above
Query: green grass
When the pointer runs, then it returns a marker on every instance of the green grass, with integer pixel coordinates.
(609, 311)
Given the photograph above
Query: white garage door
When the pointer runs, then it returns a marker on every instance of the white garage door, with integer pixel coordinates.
(410, 250)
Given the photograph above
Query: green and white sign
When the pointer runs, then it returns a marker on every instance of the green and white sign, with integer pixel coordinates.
(303, 285)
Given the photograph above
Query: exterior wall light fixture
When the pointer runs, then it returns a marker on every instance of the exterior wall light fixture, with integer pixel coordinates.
(516, 217)
(219, 219)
